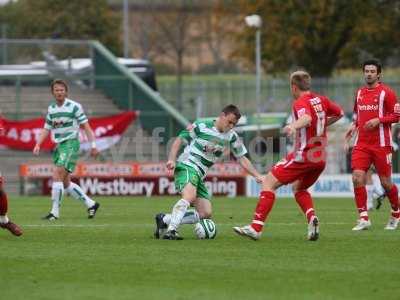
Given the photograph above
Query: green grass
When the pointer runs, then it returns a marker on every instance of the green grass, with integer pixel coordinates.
(115, 257)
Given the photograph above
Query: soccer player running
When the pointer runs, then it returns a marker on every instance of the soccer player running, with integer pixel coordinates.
(64, 118)
(5, 223)
(372, 120)
(206, 143)
(312, 113)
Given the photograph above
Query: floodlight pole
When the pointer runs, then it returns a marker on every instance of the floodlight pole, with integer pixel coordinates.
(126, 28)
(255, 21)
(258, 78)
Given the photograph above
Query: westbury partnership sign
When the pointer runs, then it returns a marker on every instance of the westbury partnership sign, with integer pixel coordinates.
(131, 179)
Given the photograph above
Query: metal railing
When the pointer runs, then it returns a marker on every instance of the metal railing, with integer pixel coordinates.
(206, 97)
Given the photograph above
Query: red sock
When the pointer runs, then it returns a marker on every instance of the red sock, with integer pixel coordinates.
(393, 196)
(3, 203)
(263, 208)
(303, 198)
(360, 194)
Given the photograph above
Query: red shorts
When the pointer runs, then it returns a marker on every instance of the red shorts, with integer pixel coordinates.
(288, 171)
(362, 157)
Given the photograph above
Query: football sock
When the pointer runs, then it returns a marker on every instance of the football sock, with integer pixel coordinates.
(378, 188)
(3, 203)
(178, 211)
(360, 194)
(75, 191)
(167, 219)
(394, 201)
(190, 217)
(303, 198)
(57, 192)
(264, 206)
(4, 219)
(370, 198)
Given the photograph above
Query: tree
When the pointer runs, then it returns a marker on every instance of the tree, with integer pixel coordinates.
(310, 33)
(73, 19)
(215, 29)
(173, 39)
(376, 36)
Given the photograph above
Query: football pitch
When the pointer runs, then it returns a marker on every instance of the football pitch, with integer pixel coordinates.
(114, 256)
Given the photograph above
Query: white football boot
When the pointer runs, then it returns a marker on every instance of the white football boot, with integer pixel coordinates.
(392, 224)
(248, 231)
(362, 225)
(313, 229)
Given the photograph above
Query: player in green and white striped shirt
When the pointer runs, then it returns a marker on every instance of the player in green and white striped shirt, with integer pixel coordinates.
(207, 142)
(64, 118)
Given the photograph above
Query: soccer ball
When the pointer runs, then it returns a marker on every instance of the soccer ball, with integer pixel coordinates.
(205, 229)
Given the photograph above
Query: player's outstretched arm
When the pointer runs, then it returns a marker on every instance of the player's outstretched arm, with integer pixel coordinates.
(91, 138)
(174, 153)
(248, 166)
(42, 136)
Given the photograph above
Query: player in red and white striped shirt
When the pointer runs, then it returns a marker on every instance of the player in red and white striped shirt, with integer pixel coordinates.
(5, 223)
(373, 116)
(312, 113)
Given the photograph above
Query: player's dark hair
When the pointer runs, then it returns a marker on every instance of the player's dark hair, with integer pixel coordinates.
(59, 81)
(301, 79)
(232, 109)
(373, 62)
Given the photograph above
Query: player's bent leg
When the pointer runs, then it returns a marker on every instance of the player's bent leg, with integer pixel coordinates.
(192, 216)
(263, 208)
(77, 193)
(178, 211)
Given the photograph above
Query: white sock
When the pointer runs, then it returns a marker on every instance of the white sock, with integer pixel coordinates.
(167, 219)
(178, 211)
(378, 189)
(190, 217)
(57, 191)
(75, 191)
(4, 219)
(370, 198)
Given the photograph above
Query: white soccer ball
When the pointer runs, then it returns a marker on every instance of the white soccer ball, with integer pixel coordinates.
(205, 229)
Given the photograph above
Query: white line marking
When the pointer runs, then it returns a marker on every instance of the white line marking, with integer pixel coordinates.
(151, 225)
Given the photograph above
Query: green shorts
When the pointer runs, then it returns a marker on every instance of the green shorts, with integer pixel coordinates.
(66, 154)
(184, 174)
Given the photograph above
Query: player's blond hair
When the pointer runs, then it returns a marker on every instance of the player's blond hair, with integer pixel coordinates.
(301, 79)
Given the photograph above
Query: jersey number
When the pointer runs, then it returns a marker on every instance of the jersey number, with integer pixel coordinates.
(320, 123)
(316, 104)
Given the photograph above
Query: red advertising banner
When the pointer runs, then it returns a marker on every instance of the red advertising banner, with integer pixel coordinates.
(135, 179)
(43, 170)
(150, 186)
(22, 135)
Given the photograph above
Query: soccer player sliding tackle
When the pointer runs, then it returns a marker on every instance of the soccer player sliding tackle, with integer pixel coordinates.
(312, 113)
(206, 143)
